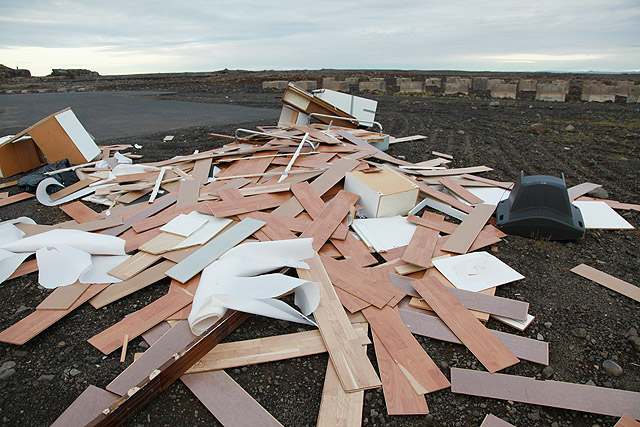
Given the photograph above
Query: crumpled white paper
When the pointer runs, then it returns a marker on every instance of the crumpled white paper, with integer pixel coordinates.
(64, 256)
(228, 284)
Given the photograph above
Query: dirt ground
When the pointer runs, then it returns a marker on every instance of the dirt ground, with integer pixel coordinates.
(584, 323)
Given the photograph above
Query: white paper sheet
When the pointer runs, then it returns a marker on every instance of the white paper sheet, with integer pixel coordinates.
(476, 271)
(183, 225)
(384, 234)
(600, 215)
(9, 232)
(44, 198)
(92, 243)
(100, 265)
(9, 263)
(227, 284)
(61, 265)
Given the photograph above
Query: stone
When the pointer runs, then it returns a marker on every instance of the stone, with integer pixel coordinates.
(534, 416)
(570, 128)
(579, 332)
(547, 372)
(538, 128)
(46, 378)
(635, 341)
(8, 365)
(539, 337)
(547, 324)
(21, 309)
(5, 374)
(612, 367)
(599, 193)
(73, 372)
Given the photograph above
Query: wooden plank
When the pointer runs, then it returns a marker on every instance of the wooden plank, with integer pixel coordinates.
(188, 193)
(8, 184)
(30, 326)
(505, 185)
(414, 362)
(608, 281)
(442, 197)
(329, 219)
(133, 265)
(25, 268)
(399, 396)
(556, 394)
(119, 290)
(492, 421)
(136, 323)
(63, 297)
(421, 247)
(422, 323)
(204, 256)
(135, 240)
(230, 404)
(85, 408)
(144, 213)
(97, 225)
(201, 170)
(458, 189)
(70, 189)
(163, 242)
(268, 349)
(15, 198)
(486, 347)
(581, 189)
(223, 209)
(352, 248)
(353, 367)
(455, 171)
(627, 421)
(434, 224)
(337, 407)
(313, 204)
(461, 240)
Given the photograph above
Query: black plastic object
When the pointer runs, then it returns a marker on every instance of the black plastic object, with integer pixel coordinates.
(539, 207)
(31, 181)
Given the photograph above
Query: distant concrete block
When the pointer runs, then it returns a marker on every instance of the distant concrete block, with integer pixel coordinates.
(307, 84)
(373, 85)
(598, 93)
(412, 87)
(504, 90)
(564, 83)
(275, 84)
(352, 80)
(455, 87)
(623, 87)
(326, 80)
(433, 82)
(634, 94)
(480, 84)
(400, 80)
(330, 84)
(527, 85)
(550, 92)
(495, 82)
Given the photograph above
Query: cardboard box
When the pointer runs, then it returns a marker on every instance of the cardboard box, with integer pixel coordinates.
(18, 156)
(382, 194)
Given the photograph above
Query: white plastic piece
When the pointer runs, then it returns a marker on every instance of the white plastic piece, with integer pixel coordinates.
(600, 215)
(384, 234)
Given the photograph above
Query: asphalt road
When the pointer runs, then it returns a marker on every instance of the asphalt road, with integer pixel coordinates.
(108, 115)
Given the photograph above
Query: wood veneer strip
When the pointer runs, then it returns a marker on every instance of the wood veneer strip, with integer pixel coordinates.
(411, 358)
(353, 367)
(399, 396)
(556, 394)
(30, 326)
(486, 347)
(461, 240)
(608, 281)
(220, 244)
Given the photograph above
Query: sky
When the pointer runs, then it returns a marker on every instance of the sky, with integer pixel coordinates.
(141, 36)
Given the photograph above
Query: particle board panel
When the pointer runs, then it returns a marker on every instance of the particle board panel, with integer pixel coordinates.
(208, 253)
(134, 265)
(230, 404)
(329, 219)
(422, 323)
(63, 297)
(36, 322)
(136, 323)
(399, 396)
(421, 247)
(352, 365)
(85, 408)
(15, 198)
(459, 190)
(313, 204)
(416, 365)
(222, 209)
(581, 189)
(461, 240)
(141, 280)
(627, 421)
(556, 394)
(484, 345)
(608, 281)
(492, 421)
(320, 185)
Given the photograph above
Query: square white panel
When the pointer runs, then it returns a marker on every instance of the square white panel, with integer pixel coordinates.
(384, 234)
(476, 271)
(601, 215)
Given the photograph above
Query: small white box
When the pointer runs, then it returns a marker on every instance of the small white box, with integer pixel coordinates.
(382, 194)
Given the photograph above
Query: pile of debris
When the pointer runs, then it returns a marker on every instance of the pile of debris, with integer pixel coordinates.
(323, 201)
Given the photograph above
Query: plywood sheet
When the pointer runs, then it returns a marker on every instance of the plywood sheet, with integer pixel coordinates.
(556, 394)
(608, 281)
(486, 347)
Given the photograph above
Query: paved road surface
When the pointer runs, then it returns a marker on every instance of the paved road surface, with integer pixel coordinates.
(109, 115)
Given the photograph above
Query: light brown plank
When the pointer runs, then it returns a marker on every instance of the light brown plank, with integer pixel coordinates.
(133, 265)
(421, 247)
(492, 421)
(329, 219)
(608, 281)
(434, 224)
(15, 198)
(223, 209)
(313, 204)
(461, 240)
(63, 297)
(458, 189)
(97, 225)
(71, 189)
(627, 421)
(581, 189)
(188, 193)
(486, 347)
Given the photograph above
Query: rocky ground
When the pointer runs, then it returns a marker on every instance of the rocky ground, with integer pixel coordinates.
(592, 332)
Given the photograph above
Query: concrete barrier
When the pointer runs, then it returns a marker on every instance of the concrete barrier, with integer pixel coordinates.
(372, 85)
(634, 94)
(458, 86)
(623, 87)
(326, 80)
(412, 87)
(566, 84)
(504, 90)
(352, 80)
(307, 84)
(527, 85)
(400, 80)
(433, 82)
(275, 84)
(330, 84)
(598, 93)
(480, 84)
(550, 92)
(495, 82)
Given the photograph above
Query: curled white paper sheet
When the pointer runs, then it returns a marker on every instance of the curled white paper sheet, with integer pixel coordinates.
(100, 266)
(61, 265)
(44, 198)
(92, 243)
(9, 232)
(227, 284)
(9, 263)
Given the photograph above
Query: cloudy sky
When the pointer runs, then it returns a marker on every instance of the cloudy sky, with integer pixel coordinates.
(140, 36)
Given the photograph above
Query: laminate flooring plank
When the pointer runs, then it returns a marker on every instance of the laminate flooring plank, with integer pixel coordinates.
(458, 189)
(434, 224)
(63, 297)
(352, 248)
(556, 394)
(85, 408)
(81, 212)
(314, 205)
(484, 345)
(608, 281)
(442, 197)
(25, 268)
(329, 219)
(627, 421)
(188, 193)
(421, 247)
(461, 240)
(133, 265)
(581, 189)
(492, 421)
(154, 208)
(223, 209)
(15, 198)
(97, 225)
